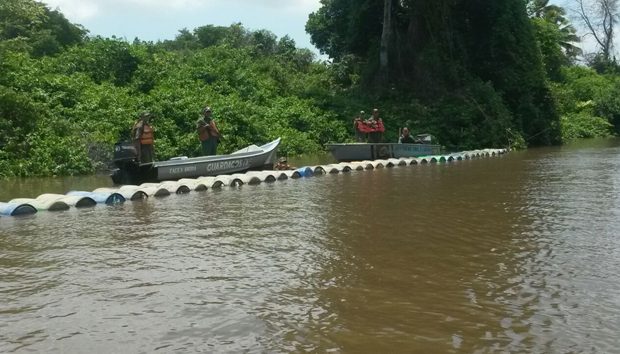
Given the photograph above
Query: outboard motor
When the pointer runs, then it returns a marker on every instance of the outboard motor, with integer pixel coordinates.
(125, 159)
(129, 170)
(124, 152)
(424, 139)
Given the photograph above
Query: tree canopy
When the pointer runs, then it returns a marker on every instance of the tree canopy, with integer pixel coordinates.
(444, 49)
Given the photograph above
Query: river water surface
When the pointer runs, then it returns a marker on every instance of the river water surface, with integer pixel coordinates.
(518, 253)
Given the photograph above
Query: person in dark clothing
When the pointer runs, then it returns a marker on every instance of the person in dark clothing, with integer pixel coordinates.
(405, 138)
(283, 165)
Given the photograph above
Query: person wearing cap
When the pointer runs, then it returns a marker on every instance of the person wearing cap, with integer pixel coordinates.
(208, 133)
(376, 127)
(143, 137)
(283, 165)
(358, 126)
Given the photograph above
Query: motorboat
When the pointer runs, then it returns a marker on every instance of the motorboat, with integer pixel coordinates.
(129, 171)
(372, 151)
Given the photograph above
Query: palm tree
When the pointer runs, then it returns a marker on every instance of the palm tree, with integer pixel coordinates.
(557, 15)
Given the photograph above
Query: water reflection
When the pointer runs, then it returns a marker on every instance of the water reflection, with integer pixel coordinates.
(413, 243)
(33, 187)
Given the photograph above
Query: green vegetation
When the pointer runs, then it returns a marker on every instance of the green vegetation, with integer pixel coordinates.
(474, 74)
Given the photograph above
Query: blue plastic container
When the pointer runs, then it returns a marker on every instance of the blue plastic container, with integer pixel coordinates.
(305, 171)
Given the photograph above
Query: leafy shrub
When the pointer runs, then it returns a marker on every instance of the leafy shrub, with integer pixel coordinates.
(583, 125)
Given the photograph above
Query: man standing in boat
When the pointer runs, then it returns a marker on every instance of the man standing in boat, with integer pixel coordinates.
(208, 133)
(359, 126)
(376, 126)
(143, 138)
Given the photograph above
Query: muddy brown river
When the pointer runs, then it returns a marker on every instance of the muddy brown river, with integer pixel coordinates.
(519, 253)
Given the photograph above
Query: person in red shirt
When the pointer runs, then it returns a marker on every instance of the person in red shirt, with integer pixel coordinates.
(358, 125)
(376, 125)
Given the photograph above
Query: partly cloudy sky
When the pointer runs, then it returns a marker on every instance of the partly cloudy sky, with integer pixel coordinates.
(153, 20)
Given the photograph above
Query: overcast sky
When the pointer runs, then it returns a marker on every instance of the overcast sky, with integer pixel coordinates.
(154, 20)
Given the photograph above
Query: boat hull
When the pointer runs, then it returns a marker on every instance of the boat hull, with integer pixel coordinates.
(250, 158)
(367, 151)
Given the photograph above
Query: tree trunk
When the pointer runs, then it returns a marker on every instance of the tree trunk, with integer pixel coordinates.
(386, 37)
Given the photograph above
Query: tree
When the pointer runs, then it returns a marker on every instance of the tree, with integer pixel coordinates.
(264, 42)
(556, 15)
(210, 35)
(502, 49)
(41, 31)
(184, 40)
(444, 49)
(347, 27)
(599, 18)
(18, 118)
(104, 59)
(555, 35)
(386, 37)
(19, 18)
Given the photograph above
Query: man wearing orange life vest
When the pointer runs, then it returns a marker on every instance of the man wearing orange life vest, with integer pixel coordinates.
(208, 133)
(143, 137)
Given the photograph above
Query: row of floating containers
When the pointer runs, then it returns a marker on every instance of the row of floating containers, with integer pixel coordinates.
(118, 195)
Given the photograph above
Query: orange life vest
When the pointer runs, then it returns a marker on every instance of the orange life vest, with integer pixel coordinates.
(214, 131)
(374, 126)
(147, 137)
(203, 133)
(207, 131)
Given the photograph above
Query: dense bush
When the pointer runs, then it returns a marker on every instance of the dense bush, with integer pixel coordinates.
(588, 103)
(62, 114)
